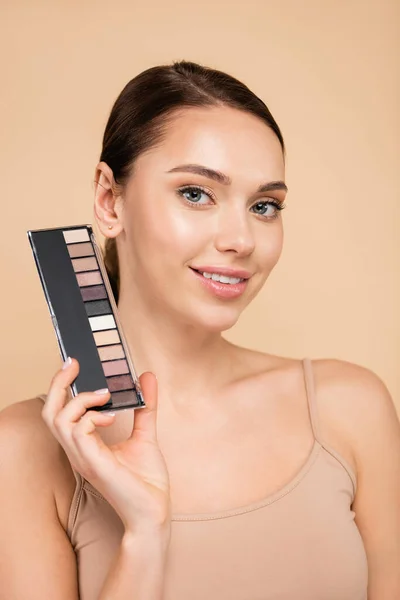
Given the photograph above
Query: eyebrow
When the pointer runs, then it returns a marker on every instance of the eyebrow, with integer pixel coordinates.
(224, 179)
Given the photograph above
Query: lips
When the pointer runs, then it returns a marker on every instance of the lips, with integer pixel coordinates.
(227, 291)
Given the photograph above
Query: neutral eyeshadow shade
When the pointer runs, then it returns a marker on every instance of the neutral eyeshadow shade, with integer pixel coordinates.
(76, 250)
(127, 397)
(84, 264)
(89, 278)
(122, 382)
(98, 307)
(111, 352)
(115, 367)
(104, 322)
(106, 338)
(94, 292)
(72, 236)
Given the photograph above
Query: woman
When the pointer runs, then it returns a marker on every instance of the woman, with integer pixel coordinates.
(248, 476)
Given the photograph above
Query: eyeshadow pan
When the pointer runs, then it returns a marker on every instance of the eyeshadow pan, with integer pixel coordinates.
(106, 338)
(115, 367)
(122, 382)
(126, 397)
(98, 307)
(85, 264)
(71, 236)
(104, 322)
(89, 278)
(76, 250)
(111, 352)
(94, 292)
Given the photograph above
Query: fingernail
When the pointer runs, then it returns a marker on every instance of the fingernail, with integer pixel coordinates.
(102, 391)
(67, 363)
(111, 414)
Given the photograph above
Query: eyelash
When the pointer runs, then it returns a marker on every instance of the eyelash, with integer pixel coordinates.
(190, 188)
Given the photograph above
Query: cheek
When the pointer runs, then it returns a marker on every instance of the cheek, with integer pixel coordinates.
(165, 230)
(269, 247)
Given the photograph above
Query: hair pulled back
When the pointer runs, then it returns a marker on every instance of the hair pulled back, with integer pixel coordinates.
(139, 116)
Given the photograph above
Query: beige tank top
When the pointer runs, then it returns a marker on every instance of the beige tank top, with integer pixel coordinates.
(299, 543)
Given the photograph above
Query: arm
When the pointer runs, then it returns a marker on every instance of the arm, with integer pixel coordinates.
(377, 503)
(360, 401)
(138, 570)
(36, 557)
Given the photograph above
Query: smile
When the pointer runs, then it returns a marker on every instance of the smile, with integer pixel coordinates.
(220, 278)
(221, 285)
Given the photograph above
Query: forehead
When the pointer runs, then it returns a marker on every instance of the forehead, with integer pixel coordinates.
(223, 138)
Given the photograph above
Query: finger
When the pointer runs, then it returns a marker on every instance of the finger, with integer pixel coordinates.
(145, 419)
(90, 420)
(57, 394)
(86, 441)
(77, 407)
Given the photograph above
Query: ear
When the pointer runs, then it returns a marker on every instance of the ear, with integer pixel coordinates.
(107, 202)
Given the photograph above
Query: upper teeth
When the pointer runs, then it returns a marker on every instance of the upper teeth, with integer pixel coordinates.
(221, 278)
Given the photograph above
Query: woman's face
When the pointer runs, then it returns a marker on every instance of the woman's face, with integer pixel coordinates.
(182, 219)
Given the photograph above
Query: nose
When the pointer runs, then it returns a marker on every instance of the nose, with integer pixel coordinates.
(234, 233)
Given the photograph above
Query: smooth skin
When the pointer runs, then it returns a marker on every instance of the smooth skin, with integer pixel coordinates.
(212, 395)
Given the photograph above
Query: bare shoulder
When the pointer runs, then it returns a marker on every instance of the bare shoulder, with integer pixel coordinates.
(353, 402)
(21, 416)
(22, 427)
(35, 454)
(34, 545)
(352, 390)
(358, 402)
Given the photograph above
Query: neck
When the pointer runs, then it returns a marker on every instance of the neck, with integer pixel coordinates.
(190, 364)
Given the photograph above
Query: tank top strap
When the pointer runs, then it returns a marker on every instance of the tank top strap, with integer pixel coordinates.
(311, 398)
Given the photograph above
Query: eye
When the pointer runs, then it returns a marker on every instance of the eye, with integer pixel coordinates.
(261, 208)
(194, 194)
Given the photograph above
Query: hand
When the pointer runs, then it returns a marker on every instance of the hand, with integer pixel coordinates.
(131, 475)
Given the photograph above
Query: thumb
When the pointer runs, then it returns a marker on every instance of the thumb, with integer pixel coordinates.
(145, 419)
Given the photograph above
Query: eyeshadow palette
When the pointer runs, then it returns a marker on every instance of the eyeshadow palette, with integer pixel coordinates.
(84, 313)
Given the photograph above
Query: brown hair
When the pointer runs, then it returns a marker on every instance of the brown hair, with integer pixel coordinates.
(140, 114)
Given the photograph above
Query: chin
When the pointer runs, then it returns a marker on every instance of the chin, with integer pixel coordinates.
(218, 319)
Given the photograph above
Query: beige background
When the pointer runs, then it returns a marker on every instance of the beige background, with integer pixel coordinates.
(329, 72)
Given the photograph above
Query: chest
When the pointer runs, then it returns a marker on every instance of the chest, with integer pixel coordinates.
(303, 545)
(228, 471)
(231, 461)
(283, 550)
